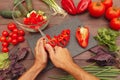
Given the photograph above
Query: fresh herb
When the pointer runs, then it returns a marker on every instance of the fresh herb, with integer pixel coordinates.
(4, 60)
(108, 37)
(104, 73)
(54, 6)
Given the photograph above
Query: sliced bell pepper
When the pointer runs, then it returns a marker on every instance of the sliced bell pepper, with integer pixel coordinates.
(60, 40)
(82, 36)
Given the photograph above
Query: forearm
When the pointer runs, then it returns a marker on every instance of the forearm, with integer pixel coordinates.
(31, 73)
(79, 74)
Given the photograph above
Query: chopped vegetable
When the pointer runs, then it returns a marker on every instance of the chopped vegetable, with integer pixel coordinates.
(4, 60)
(29, 5)
(103, 73)
(54, 6)
(59, 40)
(8, 13)
(69, 6)
(108, 37)
(82, 36)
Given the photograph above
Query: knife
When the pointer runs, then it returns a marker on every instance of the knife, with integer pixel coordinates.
(42, 34)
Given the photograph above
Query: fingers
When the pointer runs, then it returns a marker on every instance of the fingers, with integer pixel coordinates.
(50, 49)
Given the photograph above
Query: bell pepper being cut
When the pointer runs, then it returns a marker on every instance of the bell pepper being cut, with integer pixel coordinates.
(60, 40)
(69, 6)
(83, 5)
(82, 36)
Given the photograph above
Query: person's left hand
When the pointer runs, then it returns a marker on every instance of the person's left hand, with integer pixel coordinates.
(40, 53)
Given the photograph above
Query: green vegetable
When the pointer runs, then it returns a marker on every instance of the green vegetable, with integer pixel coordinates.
(4, 60)
(29, 5)
(104, 73)
(8, 13)
(108, 37)
(21, 8)
(54, 6)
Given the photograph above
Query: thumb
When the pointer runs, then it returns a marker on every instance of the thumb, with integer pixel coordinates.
(50, 50)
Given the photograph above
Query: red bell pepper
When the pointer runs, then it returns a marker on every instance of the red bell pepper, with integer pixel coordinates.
(82, 36)
(61, 40)
(83, 5)
(69, 6)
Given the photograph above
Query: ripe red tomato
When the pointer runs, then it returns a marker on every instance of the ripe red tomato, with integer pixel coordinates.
(96, 9)
(14, 42)
(5, 44)
(21, 38)
(5, 33)
(14, 36)
(107, 3)
(9, 39)
(26, 21)
(115, 24)
(15, 30)
(11, 26)
(5, 49)
(112, 12)
(21, 32)
(3, 39)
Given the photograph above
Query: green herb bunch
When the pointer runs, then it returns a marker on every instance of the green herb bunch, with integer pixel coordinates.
(108, 37)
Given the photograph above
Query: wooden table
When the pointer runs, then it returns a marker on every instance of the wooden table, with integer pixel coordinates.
(86, 19)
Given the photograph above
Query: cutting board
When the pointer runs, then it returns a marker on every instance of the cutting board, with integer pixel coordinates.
(73, 45)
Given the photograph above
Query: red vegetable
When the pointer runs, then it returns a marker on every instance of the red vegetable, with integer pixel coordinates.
(5, 33)
(83, 5)
(96, 9)
(2, 38)
(115, 24)
(5, 44)
(112, 12)
(69, 6)
(11, 26)
(5, 49)
(60, 40)
(107, 3)
(82, 35)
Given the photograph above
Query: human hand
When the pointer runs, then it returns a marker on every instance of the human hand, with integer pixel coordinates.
(60, 57)
(40, 53)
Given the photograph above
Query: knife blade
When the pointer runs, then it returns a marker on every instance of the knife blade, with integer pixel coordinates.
(42, 34)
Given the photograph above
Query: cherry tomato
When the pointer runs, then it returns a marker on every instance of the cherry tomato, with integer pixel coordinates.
(96, 9)
(11, 26)
(5, 49)
(9, 39)
(5, 33)
(21, 32)
(10, 34)
(107, 3)
(14, 42)
(26, 21)
(15, 30)
(33, 14)
(115, 24)
(3, 39)
(14, 36)
(112, 12)
(5, 44)
(21, 38)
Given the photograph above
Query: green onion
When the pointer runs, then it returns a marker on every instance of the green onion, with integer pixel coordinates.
(54, 6)
(104, 73)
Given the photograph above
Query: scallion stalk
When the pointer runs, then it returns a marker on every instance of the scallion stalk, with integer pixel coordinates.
(54, 6)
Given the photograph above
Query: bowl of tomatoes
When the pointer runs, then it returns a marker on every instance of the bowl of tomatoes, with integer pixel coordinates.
(32, 19)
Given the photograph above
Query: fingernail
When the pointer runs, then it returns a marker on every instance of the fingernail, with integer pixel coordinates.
(47, 45)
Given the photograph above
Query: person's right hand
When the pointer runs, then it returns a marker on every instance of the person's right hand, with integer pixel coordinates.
(59, 56)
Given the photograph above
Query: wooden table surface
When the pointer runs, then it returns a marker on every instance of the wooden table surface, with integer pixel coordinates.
(94, 24)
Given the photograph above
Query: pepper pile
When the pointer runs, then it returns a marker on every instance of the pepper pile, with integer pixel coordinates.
(70, 7)
(35, 18)
(14, 37)
(60, 40)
